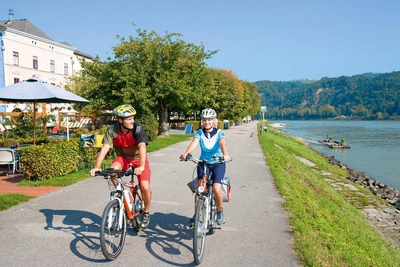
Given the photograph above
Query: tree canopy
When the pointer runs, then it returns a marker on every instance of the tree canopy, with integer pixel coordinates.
(365, 96)
(163, 74)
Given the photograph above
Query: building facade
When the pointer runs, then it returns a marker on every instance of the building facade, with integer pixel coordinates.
(27, 52)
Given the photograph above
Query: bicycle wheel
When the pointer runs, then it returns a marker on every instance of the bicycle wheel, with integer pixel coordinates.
(199, 230)
(112, 235)
(136, 208)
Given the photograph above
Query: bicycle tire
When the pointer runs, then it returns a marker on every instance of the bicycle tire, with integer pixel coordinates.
(199, 230)
(112, 239)
(135, 221)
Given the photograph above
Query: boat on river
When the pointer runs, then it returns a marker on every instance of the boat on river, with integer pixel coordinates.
(334, 144)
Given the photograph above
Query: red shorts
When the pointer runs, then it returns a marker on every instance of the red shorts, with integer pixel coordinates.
(136, 163)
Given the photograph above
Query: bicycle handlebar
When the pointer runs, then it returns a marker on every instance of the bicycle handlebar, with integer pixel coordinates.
(109, 171)
(195, 160)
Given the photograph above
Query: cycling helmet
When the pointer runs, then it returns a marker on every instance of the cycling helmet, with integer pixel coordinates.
(208, 113)
(124, 111)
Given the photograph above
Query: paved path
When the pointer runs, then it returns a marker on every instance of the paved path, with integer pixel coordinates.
(61, 227)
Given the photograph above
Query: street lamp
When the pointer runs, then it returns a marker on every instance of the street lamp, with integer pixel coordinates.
(67, 112)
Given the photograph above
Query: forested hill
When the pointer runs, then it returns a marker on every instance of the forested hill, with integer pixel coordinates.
(364, 96)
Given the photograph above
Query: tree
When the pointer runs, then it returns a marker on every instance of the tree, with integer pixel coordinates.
(154, 73)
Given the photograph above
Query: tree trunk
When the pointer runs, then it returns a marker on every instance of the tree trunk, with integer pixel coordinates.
(163, 119)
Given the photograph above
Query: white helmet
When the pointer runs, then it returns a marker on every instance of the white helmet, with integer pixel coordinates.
(208, 113)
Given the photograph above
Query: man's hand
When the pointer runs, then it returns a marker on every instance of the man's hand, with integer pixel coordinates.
(93, 171)
(139, 170)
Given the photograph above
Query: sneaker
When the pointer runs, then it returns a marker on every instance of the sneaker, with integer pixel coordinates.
(220, 217)
(191, 222)
(145, 220)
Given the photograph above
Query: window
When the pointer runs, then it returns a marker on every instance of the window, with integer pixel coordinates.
(35, 62)
(65, 68)
(16, 80)
(15, 58)
(52, 66)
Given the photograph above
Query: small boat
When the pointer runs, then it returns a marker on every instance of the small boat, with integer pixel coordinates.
(334, 144)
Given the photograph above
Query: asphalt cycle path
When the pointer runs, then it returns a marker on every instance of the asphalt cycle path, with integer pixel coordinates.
(61, 228)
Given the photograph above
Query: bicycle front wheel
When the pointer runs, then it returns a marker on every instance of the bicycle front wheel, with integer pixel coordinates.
(112, 232)
(200, 230)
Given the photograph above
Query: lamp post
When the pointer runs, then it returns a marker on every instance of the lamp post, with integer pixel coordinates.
(67, 112)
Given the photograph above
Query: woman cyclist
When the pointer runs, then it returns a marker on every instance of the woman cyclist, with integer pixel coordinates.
(212, 143)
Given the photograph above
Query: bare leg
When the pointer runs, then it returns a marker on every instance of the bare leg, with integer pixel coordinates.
(218, 195)
(146, 194)
(115, 166)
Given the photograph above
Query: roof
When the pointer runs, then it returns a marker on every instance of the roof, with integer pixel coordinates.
(24, 25)
(77, 52)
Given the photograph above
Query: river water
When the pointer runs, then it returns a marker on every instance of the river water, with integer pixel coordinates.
(375, 145)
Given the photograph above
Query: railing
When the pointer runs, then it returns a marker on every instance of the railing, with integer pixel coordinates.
(305, 137)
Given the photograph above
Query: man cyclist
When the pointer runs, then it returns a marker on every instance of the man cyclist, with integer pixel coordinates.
(129, 141)
(212, 143)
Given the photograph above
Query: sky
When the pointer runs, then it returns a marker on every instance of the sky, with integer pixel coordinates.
(276, 40)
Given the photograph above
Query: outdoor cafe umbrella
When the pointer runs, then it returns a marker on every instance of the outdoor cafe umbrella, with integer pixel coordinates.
(36, 91)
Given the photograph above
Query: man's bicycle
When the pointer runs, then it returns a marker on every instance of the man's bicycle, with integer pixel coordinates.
(205, 214)
(125, 204)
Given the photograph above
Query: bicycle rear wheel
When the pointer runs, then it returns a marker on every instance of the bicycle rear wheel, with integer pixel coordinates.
(136, 208)
(199, 230)
(112, 235)
(212, 213)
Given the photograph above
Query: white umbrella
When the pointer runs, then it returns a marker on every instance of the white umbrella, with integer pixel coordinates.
(37, 91)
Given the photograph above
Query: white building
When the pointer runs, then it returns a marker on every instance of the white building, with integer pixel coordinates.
(28, 52)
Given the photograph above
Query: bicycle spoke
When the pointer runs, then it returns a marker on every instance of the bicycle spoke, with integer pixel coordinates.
(200, 230)
(112, 231)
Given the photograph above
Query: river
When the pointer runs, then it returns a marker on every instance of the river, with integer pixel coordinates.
(375, 145)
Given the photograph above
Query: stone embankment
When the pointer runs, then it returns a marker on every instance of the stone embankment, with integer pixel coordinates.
(391, 195)
(385, 218)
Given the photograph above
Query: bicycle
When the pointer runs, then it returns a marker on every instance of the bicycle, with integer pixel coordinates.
(205, 214)
(125, 204)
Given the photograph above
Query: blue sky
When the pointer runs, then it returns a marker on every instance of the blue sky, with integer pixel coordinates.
(277, 40)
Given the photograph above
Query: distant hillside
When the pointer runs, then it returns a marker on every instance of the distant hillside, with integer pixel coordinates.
(363, 96)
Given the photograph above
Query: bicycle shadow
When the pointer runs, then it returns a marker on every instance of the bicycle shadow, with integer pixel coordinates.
(85, 226)
(167, 238)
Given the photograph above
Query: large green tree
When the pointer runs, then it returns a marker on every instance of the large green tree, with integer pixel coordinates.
(154, 73)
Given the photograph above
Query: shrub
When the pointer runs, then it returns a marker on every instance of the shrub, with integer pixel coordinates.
(46, 161)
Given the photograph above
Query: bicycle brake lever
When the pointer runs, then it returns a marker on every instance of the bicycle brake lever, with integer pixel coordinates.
(188, 157)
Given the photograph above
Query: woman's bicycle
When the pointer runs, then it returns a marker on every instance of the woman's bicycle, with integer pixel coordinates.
(125, 204)
(205, 214)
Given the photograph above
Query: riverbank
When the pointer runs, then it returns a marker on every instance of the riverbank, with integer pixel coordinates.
(374, 145)
(389, 194)
(379, 204)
